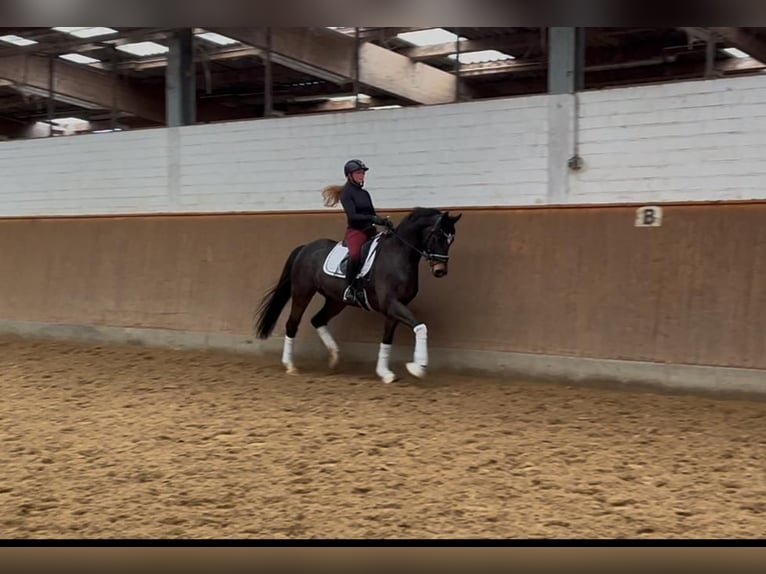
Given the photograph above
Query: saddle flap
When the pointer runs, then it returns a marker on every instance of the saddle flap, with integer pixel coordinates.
(334, 263)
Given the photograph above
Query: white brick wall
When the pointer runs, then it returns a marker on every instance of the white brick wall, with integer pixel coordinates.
(684, 141)
(102, 173)
(476, 153)
(442, 155)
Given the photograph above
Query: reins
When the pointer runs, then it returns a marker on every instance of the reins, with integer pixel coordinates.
(430, 257)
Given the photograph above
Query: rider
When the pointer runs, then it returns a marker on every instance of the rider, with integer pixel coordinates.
(361, 218)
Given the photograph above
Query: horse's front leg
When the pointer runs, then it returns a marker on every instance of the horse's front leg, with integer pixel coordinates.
(384, 354)
(398, 311)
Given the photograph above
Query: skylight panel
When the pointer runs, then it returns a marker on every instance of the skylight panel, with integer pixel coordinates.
(429, 37)
(219, 39)
(144, 48)
(481, 56)
(86, 32)
(70, 120)
(362, 97)
(79, 58)
(17, 40)
(736, 53)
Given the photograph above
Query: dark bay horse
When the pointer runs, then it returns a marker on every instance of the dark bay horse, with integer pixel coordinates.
(390, 285)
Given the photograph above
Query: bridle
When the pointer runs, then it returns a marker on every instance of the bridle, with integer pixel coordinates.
(432, 258)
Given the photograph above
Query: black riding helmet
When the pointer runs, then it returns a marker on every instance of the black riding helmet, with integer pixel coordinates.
(354, 165)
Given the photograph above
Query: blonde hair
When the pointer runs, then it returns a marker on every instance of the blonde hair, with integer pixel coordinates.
(331, 195)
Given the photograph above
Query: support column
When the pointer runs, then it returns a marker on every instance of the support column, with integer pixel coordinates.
(51, 92)
(566, 59)
(180, 80)
(268, 79)
(566, 64)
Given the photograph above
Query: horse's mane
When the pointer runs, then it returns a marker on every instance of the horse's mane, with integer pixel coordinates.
(419, 214)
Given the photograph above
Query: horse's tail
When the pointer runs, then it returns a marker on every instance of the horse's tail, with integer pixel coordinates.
(275, 300)
(331, 195)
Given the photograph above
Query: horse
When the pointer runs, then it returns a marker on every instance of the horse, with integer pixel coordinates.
(389, 278)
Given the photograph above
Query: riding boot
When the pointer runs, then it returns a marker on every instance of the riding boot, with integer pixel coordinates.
(352, 269)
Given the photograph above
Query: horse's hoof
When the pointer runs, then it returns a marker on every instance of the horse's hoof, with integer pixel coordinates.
(416, 370)
(334, 360)
(291, 370)
(387, 377)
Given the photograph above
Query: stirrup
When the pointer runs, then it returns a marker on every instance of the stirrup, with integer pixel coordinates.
(349, 295)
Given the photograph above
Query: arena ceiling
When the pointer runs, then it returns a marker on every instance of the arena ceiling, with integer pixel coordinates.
(115, 77)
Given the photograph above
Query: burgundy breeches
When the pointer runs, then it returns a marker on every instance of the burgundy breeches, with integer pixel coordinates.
(354, 241)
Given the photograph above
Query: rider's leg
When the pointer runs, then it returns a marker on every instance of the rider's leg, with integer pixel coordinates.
(352, 270)
(354, 241)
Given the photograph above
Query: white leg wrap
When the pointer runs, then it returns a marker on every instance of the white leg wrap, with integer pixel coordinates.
(418, 366)
(421, 345)
(382, 370)
(326, 336)
(329, 342)
(287, 354)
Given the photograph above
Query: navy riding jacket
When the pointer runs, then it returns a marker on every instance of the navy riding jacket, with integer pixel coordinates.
(356, 201)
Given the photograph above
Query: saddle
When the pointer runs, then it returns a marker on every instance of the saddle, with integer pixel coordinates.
(336, 261)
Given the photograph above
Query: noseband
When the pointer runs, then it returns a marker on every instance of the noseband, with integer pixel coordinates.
(432, 258)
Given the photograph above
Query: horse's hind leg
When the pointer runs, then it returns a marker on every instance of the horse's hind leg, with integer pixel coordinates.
(299, 304)
(384, 354)
(320, 320)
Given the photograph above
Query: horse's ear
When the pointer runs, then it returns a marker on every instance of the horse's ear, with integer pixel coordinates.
(455, 219)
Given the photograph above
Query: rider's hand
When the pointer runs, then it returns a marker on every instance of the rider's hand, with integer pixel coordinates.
(383, 221)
